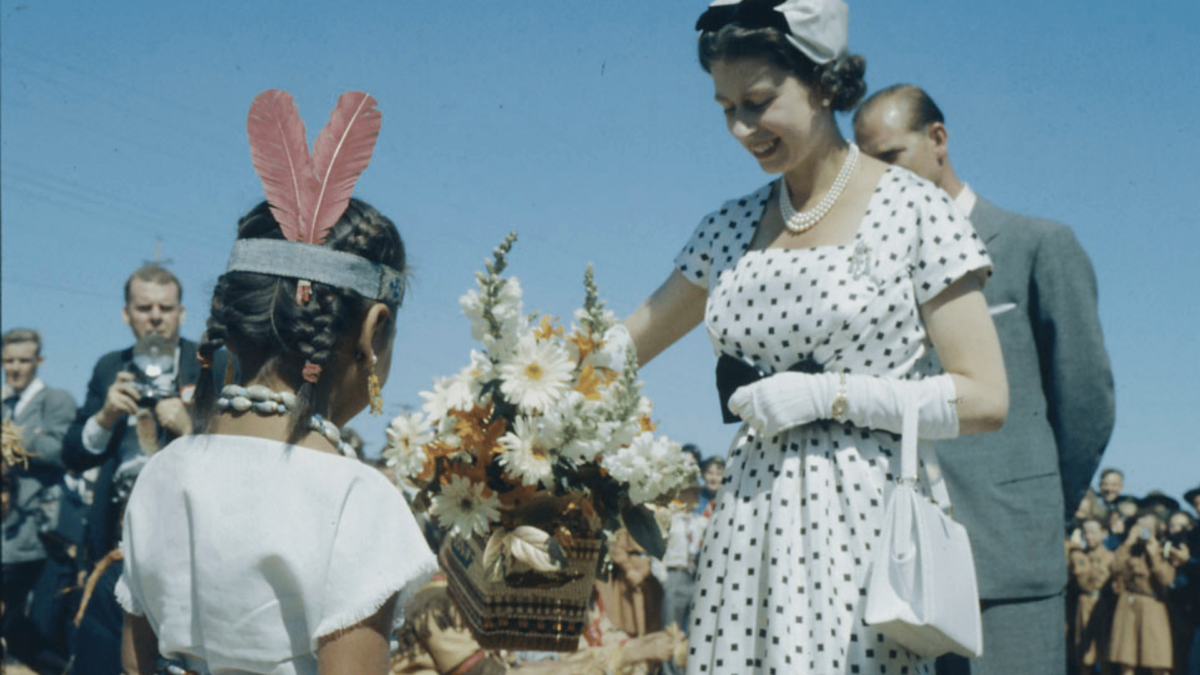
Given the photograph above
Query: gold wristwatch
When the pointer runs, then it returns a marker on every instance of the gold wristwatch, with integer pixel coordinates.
(840, 402)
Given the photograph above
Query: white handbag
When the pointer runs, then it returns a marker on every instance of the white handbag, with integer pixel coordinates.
(921, 591)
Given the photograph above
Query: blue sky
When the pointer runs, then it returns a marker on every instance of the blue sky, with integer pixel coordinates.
(589, 129)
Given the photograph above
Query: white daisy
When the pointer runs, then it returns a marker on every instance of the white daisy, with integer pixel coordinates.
(407, 436)
(462, 507)
(526, 455)
(536, 375)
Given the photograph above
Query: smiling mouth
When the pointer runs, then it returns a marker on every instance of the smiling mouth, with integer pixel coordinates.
(761, 150)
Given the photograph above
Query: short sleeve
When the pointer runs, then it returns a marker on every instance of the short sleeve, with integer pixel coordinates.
(721, 237)
(695, 259)
(125, 596)
(378, 551)
(948, 248)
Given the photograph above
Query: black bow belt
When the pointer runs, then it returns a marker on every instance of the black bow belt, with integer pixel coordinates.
(733, 373)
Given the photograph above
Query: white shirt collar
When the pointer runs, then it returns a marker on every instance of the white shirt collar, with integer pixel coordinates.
(27, 395)
(965, 201)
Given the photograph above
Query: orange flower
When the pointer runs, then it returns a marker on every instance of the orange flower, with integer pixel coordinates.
(478, 435)
(547, 329)
(518, 495)
(585, 344)
(589, 383)
(476, 473)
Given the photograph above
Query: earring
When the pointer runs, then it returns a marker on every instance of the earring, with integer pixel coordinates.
(229, 374)
(374, 391)
(825, 102)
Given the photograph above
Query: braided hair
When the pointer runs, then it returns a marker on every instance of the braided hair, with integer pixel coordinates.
(256, 316)
(840, 80)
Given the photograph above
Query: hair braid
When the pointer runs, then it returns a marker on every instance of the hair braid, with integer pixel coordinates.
(210, 343)
(256, 316)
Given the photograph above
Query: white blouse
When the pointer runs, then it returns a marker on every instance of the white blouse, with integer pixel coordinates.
(242, 552)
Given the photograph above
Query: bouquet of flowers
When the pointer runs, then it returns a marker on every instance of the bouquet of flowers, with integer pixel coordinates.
(14, 451)
(543, 438)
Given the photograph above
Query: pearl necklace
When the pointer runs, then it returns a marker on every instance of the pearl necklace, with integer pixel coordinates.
(263, 401)
(803, 221)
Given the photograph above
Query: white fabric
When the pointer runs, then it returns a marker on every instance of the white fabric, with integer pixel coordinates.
(783, 567)
(818, 28)
(95, 436)
(922, 590)
(242, 552)
(785, 400)
(26, 395)
(965, 201)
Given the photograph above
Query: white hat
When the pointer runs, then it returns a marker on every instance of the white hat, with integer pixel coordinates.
(818, 28)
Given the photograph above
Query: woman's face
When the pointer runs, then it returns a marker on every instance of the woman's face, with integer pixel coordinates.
(774, 115)
(713, 475)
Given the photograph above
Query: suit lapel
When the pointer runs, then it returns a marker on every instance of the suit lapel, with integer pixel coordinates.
(986, 218)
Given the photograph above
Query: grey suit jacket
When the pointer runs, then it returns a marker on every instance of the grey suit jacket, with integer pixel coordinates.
(1016, 488)
(44, 422)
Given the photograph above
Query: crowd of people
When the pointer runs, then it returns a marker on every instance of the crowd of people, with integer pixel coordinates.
(1134, 594)
(864, 287)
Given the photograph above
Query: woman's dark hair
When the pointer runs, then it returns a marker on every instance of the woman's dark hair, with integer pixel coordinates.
(840, 80)
(715, 460)
(257, 317)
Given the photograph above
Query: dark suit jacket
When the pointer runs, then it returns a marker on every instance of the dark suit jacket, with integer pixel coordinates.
(44, 422)
(1014, 489)
(102, 534)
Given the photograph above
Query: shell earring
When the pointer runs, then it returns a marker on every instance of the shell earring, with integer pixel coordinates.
(374, 391)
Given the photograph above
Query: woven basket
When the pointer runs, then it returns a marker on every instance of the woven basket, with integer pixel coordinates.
(526, 610)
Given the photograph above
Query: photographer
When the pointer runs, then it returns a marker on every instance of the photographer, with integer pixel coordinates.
(1142, 574)
(136, 404)
(136, 397)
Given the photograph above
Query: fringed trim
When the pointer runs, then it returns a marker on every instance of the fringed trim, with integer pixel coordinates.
(90, 587)
(403, 592)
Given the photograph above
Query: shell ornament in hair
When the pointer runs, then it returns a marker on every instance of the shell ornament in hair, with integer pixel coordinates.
(308, 193)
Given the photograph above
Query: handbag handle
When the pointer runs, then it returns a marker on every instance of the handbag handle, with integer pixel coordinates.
(913, 448)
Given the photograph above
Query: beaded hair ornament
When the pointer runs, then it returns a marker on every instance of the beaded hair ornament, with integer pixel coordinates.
(308, 193)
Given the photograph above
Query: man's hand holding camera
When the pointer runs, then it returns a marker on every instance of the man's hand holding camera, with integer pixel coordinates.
(124, 398)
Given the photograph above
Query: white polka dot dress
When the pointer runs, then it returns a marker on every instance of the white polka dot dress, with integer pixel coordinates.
(786, 554)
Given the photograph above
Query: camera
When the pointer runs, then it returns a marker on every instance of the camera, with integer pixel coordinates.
(153, 369)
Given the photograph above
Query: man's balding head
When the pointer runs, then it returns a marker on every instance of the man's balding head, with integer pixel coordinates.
(902, 125)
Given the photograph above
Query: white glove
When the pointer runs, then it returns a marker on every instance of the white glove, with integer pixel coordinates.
(785, 400)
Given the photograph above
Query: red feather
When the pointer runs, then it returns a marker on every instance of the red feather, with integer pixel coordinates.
(341, 152)
(279, 150)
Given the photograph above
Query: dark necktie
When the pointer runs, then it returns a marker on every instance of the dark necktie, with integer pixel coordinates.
(10, 406)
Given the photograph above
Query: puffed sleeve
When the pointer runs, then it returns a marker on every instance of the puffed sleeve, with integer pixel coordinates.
(695, 259)
(721, 238)
(378, 551)
(948, 248)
